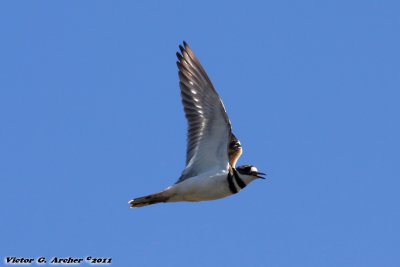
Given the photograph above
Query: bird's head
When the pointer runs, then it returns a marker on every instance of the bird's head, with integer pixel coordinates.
(250, 172)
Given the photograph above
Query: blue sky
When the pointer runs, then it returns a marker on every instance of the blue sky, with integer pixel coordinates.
(91, 117)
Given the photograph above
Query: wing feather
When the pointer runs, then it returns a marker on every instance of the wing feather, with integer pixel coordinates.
(209, 128)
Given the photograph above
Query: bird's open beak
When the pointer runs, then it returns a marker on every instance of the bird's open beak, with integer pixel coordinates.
(258, 175)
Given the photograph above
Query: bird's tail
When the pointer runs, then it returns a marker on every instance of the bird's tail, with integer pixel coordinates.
(148, 200)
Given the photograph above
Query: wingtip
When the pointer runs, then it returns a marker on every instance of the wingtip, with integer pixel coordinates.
(181, 48)
(180, 59)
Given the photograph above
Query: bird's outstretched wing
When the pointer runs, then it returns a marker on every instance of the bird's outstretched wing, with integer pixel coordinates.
(209, 128)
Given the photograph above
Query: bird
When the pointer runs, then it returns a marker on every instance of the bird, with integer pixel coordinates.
(212, 149)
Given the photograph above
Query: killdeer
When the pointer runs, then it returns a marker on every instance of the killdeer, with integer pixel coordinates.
(212, 148)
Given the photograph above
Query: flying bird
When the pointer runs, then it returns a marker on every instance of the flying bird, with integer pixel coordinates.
(212, 148)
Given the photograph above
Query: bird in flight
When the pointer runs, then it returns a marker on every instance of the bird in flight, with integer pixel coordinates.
(212, 148)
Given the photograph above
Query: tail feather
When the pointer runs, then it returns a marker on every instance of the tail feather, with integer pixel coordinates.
(148, 200)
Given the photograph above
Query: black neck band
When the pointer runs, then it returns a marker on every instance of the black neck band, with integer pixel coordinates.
(239, 181)
(232, 186)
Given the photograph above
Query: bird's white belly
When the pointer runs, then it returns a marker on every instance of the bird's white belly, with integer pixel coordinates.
(201, 188)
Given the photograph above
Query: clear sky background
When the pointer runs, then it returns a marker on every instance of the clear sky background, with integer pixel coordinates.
(91, 117)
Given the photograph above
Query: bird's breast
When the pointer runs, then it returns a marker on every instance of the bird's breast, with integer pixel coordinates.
(203, 187)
